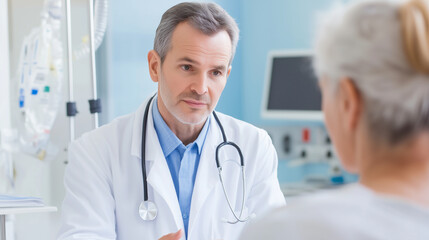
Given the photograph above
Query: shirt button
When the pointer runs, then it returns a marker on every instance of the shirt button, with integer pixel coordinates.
(185, 215)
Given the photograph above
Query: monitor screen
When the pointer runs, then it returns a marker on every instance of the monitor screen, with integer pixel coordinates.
(291, 90)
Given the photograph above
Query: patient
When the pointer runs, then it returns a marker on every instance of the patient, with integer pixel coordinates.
(372, 59)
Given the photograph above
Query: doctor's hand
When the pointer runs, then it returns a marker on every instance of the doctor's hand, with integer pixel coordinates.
(173, 236)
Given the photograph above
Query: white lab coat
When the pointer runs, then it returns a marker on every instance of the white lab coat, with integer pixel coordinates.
(104, 183)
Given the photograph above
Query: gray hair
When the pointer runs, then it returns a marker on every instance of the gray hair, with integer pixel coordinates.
(365, 42)
(209, 18)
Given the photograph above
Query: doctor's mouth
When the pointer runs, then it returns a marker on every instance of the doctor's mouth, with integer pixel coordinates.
(195, 104)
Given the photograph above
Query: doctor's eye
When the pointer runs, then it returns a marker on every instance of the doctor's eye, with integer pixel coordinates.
(217, 73)
(186, 67)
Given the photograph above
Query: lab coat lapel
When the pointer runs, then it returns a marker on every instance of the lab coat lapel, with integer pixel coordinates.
(207, 174)
(159, 176)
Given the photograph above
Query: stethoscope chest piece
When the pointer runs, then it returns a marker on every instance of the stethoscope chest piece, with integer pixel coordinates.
(148, 210)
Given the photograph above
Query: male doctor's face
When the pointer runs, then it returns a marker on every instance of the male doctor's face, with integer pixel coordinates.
(193, 74)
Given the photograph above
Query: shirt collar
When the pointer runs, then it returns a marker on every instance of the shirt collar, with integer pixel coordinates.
(203, 134)
(168, 140)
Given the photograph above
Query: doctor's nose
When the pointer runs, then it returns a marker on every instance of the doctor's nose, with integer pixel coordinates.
(199, 85)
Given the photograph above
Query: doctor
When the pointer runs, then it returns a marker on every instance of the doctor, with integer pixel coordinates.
(154, 174)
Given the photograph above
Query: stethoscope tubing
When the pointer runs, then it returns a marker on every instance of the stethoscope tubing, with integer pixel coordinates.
(243, 200)
(224, 143)
(143, 153)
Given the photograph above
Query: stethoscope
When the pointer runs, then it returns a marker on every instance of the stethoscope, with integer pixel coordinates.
(148, 209)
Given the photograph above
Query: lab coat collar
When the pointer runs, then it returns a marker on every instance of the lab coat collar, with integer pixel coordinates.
(207, 174)
(159, 177)
(169, 142)
(152, 142)
(136, 141)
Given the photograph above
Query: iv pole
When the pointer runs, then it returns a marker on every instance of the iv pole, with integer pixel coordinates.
(95, 103)
(71, 105)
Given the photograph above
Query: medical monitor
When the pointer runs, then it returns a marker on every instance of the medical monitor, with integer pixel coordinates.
(291, 91)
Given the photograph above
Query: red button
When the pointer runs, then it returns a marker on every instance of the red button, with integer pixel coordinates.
(305, 135)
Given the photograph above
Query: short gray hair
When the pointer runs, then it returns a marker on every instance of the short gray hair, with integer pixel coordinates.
(209, 18)
(364, 41)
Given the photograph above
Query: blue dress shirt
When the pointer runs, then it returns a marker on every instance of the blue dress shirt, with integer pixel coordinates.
(182, 160)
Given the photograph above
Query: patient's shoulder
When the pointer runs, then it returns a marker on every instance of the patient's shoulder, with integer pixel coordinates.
(351, 212)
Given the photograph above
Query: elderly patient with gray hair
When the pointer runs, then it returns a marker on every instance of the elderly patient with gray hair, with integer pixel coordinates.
(372, 60)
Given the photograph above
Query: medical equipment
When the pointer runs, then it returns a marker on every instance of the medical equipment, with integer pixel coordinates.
(148, 209)
(95, 38)
(291, 91)
(71, 105)
(40, 74)
(99, 23)
(307, 158)
(94, 103)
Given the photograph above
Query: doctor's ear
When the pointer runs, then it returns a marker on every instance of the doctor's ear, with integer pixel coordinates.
(229, 71)
(154, 61)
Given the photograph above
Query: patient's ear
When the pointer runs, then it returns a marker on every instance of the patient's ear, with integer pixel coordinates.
(154, 61)
(351, 103)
